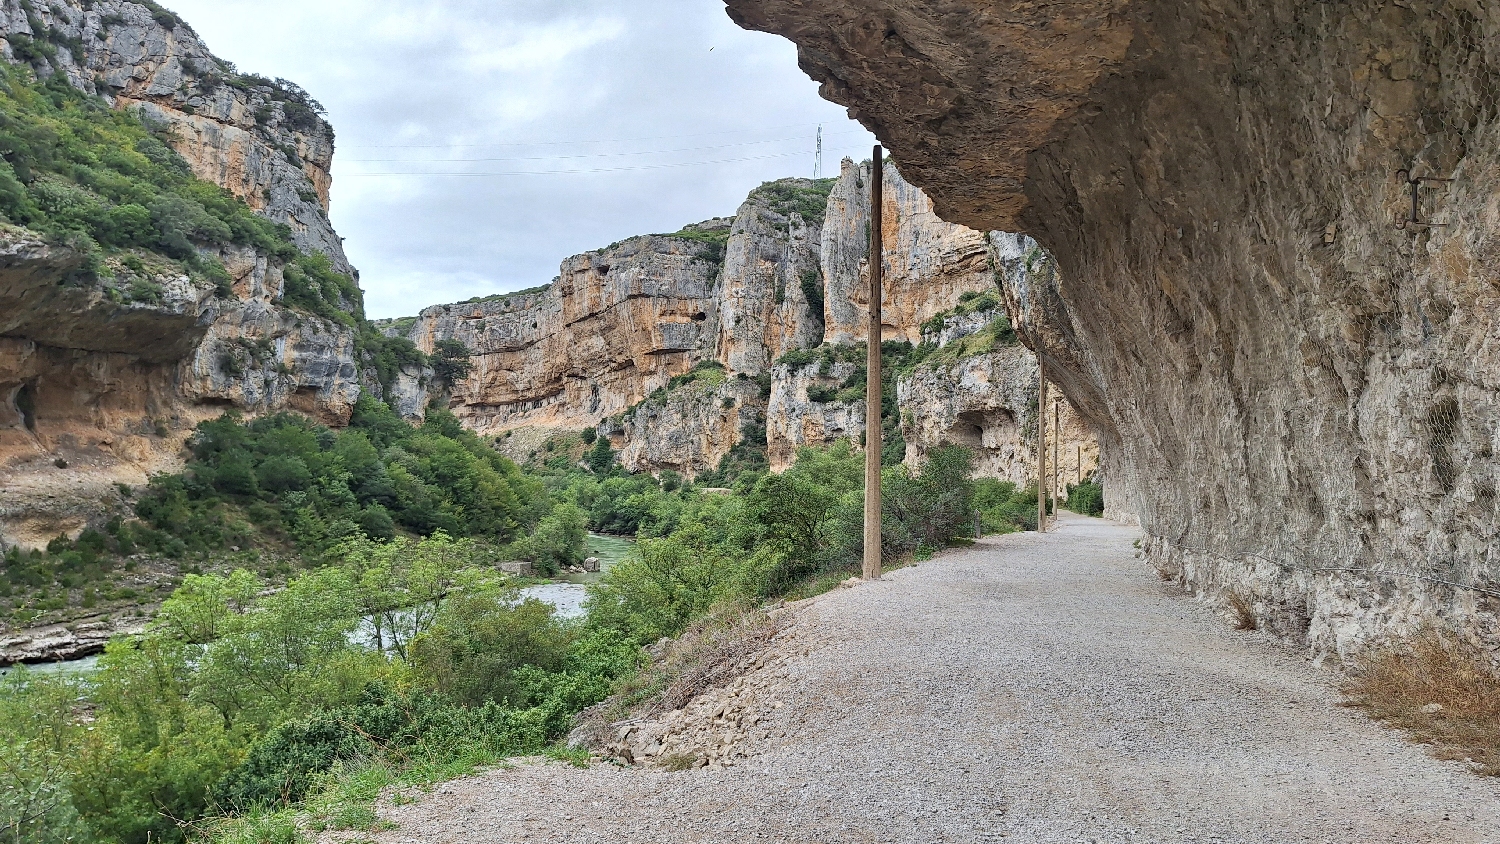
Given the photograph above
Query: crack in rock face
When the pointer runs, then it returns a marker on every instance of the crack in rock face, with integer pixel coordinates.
(1300, 396)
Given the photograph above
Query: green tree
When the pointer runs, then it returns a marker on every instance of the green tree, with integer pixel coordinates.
(601, 457)
(483, 637)
(557, 542)
(399, 587)
(37, 730)
(450, 362)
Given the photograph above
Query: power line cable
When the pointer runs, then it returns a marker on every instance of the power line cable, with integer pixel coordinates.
(577, 143)
(593, 170)
(571, 157)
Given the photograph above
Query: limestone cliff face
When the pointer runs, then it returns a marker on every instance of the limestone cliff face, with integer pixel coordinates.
(616, 325)
(688, 430)
(100, 387)
(987, 402)
(794, 420)
(242, 133)
(96, 391)
(928, 263)
(771, 262)
(1300, 394)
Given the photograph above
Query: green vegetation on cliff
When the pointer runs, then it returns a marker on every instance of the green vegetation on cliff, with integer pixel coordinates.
(103, 182)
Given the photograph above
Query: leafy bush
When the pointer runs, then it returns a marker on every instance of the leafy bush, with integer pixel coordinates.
(1086, 499)
(1003, 508)
(557, 541)
(808, 199)
(319, 487)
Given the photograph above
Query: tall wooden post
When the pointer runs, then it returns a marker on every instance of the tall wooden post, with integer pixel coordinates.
(1057, 482)
(1041, 447)
(1080, 465)
(872, 368)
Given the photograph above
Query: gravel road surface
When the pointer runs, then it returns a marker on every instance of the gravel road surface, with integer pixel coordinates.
(1032, 689)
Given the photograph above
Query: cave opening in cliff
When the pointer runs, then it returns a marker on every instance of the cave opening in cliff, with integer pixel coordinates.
(25, 403)
(968, 430)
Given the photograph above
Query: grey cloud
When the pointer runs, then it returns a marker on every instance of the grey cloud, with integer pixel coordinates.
(528, 79)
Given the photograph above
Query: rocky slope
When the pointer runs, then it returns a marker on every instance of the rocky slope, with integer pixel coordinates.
(99, 389)
(1299, 393)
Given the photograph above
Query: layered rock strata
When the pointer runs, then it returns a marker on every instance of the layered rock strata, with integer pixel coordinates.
(99, 388)
(1295, 380)
(618, 324)
(615, 326)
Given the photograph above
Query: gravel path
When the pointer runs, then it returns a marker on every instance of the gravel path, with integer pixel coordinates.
(1033, 688)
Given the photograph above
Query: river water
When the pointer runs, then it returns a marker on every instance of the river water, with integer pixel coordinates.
(566, 597)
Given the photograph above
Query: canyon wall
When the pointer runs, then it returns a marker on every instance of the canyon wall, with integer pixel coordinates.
(1293, 371)
(673, 345)
(986, 401)
(261, 141)
(928, 263)
(99, 387)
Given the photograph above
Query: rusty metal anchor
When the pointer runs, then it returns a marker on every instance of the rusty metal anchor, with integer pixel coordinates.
(1415, 221)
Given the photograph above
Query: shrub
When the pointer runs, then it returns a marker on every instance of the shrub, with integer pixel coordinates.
(450, 362)
(484, 647)
(1086, 499)
(556, 543)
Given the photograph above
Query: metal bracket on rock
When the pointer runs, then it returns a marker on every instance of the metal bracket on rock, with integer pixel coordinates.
(1415, 221)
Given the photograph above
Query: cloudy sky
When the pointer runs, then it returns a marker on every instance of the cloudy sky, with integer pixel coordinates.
(481, 142)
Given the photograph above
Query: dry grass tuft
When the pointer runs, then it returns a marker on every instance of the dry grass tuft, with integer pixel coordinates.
(1244, 613)
(712, 653)
(1442, 692)
(677, 761)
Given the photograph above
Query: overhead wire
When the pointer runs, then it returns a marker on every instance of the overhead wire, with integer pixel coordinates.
(581, 155)
(589, 170)
(578, 143)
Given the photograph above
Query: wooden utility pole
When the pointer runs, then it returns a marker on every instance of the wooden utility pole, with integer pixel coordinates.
(1057, 482)
(1041, 447)
(1080, 465)
(872, 368)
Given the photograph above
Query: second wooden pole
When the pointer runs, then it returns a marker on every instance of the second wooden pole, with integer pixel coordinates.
(873, 383)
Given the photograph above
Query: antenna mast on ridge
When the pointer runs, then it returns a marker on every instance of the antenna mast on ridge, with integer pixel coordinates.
(818, 162)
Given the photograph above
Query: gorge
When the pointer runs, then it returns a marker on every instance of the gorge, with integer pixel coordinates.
(678, 347)
(1295, 385)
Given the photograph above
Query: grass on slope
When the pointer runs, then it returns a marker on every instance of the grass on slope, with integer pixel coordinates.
(104, 183)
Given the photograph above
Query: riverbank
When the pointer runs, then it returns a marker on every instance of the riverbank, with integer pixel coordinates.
(1040, 688)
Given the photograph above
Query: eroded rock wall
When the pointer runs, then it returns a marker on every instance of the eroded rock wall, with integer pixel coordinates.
(616, 325)
(1301, 396)
(987, 402)
(689, 430)
(237, 132)
(99, 387)
(619, 323)
(928, 264)
(794, 420)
